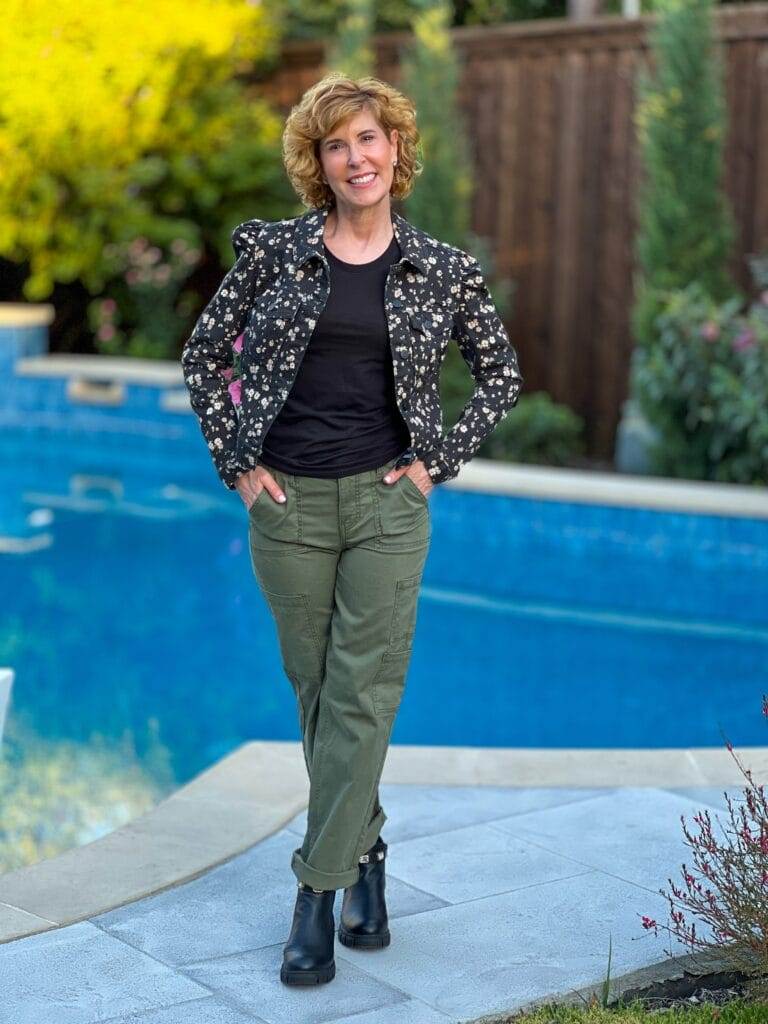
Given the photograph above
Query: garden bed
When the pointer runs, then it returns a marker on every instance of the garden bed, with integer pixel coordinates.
(707, 992)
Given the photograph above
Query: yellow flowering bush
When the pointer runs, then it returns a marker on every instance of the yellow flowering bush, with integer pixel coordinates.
(118, 120)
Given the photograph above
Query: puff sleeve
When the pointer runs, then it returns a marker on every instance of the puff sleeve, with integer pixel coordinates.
(208, 352)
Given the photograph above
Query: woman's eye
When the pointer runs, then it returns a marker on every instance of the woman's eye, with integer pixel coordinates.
(366, 138)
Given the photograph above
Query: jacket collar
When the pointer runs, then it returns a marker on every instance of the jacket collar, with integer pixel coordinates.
(308, 238)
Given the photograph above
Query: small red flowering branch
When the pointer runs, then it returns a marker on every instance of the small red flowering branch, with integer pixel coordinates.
(729, 890)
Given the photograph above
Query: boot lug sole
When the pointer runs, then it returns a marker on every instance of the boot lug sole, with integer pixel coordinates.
(318, 977)
(364, 941)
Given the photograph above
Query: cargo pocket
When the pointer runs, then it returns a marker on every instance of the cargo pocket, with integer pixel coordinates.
(389, 681)
(403, 621)
(299, 643)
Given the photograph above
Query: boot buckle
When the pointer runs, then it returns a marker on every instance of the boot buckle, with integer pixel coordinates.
(309, 888)
(377, 855)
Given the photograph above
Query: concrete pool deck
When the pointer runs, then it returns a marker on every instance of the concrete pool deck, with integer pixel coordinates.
(508, 872)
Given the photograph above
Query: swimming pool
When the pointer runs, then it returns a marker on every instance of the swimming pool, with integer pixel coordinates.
(129, 604)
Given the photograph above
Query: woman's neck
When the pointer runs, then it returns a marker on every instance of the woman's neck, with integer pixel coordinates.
(360, 233)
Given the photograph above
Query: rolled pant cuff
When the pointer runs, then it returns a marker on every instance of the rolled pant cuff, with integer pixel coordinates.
(339, 879)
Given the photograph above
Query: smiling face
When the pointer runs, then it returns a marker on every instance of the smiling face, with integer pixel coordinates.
(357, 159)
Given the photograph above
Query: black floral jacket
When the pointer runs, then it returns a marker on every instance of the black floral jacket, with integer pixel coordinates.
(274, 295)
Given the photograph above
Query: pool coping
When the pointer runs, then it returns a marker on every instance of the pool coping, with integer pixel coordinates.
(259, 787)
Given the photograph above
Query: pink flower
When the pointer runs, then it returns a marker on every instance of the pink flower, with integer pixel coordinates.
(234, 391)
(710, 331)
(238, 343)
(108, 306)
(227, 373)
(744, 340)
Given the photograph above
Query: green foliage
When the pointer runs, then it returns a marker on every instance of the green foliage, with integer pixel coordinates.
(685, 229)
(146, 309)
(441, 201)
(319, 19)
(351, 50)
(703, 386)
(537, 431)
(698, 370)
(739, 1011)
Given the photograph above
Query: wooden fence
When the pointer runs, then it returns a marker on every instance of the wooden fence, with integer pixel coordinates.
(549, 105)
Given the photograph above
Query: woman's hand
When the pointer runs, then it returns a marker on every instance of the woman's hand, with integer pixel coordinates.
(417, 471)
(249, 486)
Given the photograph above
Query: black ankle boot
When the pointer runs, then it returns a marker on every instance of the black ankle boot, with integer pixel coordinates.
(308, 953)
(364, 911)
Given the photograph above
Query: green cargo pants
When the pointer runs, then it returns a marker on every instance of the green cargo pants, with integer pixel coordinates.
(340, 564)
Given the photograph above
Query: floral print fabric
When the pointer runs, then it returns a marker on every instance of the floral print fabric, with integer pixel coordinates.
(273, 296)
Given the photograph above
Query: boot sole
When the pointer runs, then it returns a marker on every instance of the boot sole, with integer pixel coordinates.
(317, 977)
(364, 941)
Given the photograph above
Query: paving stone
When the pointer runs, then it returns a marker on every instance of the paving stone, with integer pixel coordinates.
(250, 899)
(637, 836)
(476, 861)
(411, 1011)
(79, 975)
(200, 1011)
(252, 982)
(496, 897)
(504, 951)
(710, 795)
(242, 904)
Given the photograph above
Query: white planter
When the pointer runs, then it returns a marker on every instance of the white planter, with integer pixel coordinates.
(634, 437)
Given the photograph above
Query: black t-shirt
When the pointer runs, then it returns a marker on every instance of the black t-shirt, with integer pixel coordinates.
(341, 416)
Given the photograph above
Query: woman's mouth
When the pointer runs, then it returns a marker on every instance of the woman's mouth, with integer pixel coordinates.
(362, 180)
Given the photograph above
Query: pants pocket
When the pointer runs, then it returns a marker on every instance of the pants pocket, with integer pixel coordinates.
(277, 526)
(299, 643)
(389, 681)
(403, 516)
(413, 487)
(403, 621)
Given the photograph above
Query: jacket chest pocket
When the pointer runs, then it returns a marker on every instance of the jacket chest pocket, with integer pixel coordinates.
(430, 333)
(271, 321)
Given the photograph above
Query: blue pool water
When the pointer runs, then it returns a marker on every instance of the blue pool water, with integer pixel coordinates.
(130, 606)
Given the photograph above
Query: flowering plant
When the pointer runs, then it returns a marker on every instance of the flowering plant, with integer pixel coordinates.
(729, 892)
(703, 385)
(146, 308)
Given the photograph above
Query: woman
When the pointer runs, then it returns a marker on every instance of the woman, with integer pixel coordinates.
(346, 313)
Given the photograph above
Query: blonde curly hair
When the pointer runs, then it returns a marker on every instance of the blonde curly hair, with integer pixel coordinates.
(325, 105)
